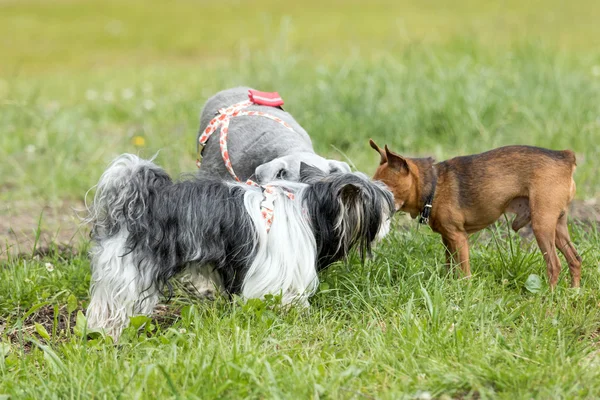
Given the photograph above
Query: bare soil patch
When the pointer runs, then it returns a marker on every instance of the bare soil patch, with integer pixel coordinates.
(60, 324)
(56, 227)
(586, 211)
(62, 229)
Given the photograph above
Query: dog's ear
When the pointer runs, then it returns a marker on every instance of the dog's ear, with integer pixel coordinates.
(270, 171)
(338, 166)
(310, 174)
(349, 193)
(382, 154)
(396, 161)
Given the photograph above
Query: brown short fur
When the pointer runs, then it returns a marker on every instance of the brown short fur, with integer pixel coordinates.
(472, 192)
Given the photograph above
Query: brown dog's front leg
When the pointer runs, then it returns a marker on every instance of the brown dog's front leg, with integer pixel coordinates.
(544, 229)
(448, 253)
(457, 245)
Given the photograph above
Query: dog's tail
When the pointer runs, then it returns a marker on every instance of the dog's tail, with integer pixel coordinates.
(122, 194)
(572, 160)
(119, 288)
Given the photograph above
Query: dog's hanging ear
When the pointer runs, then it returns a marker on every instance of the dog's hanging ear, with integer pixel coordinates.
(349, 193)
(268, 172)
(338, 166)
(396, 161)
(382, 154)
(310, 174)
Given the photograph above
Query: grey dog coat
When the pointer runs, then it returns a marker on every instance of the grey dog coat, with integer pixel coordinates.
(259, 148)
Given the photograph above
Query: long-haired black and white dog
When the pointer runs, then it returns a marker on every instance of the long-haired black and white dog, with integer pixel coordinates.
(148, 228)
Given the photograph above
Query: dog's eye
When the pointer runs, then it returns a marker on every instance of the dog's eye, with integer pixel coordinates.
(281, 174)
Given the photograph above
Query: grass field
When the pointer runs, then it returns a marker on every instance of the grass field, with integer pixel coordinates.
(83, 81)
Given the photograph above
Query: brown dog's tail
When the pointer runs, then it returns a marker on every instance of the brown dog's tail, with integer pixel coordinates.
(570, 156)
(573, 187)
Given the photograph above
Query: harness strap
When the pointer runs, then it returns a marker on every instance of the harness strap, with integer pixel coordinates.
(222, 119)
(267, 206)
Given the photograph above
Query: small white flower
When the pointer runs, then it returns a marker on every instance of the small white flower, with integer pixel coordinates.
(127, 94)
(49, 267)
(149, 104)
(182, 330)
(30, 148)
(91, 94)
(596, 70)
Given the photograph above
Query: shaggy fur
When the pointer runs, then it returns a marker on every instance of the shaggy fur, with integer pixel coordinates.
(147, 229)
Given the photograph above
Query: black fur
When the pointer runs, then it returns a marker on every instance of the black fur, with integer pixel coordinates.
(169, 222)
(321, 199)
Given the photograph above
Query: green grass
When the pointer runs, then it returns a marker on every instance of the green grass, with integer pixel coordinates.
(398, 327)
(428, 100)
(39, 36)
(79, 80)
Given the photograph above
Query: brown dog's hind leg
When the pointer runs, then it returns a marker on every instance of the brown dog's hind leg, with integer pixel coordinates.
(564, 244)
(544, 228)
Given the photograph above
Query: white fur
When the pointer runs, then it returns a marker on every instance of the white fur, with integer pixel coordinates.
(285, 257)
(290, 167)
(118, 290)
(384, 228)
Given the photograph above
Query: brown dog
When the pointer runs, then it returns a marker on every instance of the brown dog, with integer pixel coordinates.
(466, 194)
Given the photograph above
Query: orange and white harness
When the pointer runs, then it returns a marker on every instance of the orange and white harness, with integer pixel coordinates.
(222, 119)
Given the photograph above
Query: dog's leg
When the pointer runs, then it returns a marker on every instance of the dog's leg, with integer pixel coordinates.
(120, 288)
(544, 229)
(458, 246)
(564, 244)
(463, 254)
(203, 281)
(448, 253)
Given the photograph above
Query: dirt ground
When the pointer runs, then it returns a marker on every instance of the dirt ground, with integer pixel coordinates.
(60, 324)
(62, 226)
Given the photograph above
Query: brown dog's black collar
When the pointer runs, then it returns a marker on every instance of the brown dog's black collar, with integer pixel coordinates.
(426, 211)
(424, 218)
